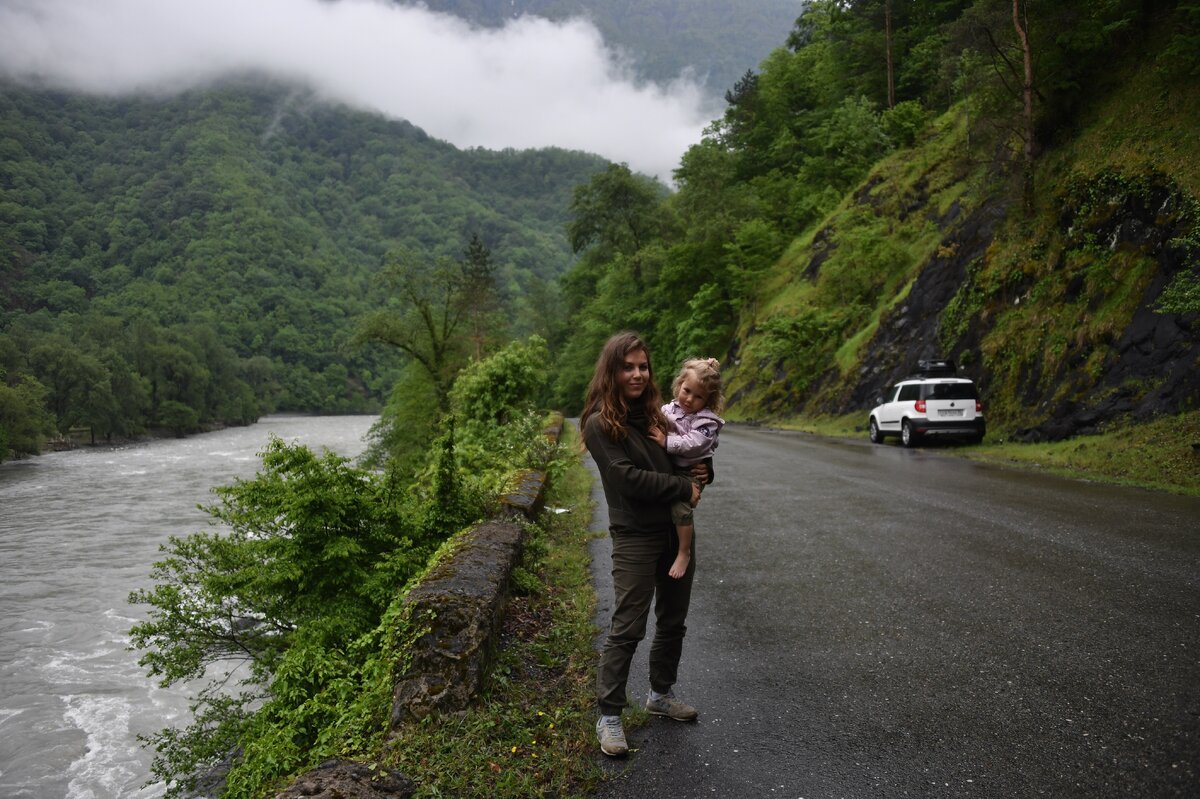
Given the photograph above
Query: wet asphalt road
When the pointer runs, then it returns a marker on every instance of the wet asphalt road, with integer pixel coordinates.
(869, 621)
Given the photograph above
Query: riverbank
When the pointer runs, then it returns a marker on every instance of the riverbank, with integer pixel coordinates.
(531, 732)
(1160, 455)
(83, 437)
(81, 530)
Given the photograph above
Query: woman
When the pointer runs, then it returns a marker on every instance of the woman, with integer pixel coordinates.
(622, 408)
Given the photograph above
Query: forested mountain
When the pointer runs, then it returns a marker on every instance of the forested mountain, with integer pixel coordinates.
(1011, 184)
(205, 258)
(716, 39)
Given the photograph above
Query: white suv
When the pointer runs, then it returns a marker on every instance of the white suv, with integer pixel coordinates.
(930, 403)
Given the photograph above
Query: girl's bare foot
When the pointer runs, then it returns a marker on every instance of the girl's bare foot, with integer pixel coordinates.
(679, 567)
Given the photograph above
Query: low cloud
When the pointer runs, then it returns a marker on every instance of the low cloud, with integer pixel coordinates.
(533, 83)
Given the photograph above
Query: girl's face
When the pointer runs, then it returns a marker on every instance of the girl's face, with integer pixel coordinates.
(633, 375)
(691, 395)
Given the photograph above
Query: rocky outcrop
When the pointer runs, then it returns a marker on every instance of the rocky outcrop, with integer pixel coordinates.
(1151, 367)
(1150, 362)
(344, 779)
(459, 605)
(909, 333)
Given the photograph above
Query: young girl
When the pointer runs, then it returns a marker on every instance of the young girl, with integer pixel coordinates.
(692, 438)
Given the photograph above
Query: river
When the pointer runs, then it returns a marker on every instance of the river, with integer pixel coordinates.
(79, 530)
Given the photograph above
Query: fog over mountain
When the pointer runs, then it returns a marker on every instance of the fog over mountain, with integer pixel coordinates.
(532, 83)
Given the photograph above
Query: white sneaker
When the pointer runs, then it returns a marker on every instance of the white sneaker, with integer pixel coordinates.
(612, 736)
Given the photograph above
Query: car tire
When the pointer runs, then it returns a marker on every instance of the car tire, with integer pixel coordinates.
(908, 436)
(874, 433)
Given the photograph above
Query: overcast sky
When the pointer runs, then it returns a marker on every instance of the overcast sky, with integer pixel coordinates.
(532, 84)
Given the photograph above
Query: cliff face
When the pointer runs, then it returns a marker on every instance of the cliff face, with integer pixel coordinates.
(1146, 366)
(911, 330)
(1130, 238)
(1060, 313)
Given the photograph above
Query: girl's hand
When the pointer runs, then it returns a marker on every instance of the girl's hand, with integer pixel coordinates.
(659, 436)
(695, 495)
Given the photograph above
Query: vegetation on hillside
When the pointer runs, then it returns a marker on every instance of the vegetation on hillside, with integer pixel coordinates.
(895, 184)
(301, 585)
(203, 259)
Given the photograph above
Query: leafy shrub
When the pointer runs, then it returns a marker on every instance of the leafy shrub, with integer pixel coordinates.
(904, 122)
(1182, 294)
(805, 342)
(499, 428)
(316, 551)
(305, 586)
(490, 391)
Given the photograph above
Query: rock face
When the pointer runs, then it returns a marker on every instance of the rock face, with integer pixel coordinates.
(1152, 369)
(910, 332)
(343, 779)
(1149, 366)
(460, 601)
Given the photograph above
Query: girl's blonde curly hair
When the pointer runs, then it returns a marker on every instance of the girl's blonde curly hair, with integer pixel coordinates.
(707, 372)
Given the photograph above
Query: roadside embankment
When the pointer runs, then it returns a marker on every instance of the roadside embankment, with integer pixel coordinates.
(456, 611)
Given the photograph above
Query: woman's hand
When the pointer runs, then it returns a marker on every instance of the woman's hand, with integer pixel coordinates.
(700, 472)
(695, 495)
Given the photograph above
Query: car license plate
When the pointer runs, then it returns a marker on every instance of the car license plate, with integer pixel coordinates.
(950, 412)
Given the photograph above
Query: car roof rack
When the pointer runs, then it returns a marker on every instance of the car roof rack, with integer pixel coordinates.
(939, 367)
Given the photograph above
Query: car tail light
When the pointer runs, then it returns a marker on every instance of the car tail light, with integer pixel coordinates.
(920, 406)
(978, 406)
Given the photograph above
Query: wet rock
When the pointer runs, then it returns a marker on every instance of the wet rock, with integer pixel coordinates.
(345, 779)
(1148, 369)
(910, 332)
(460, 605)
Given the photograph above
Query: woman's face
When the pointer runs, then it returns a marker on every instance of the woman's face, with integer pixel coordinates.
(633, 374)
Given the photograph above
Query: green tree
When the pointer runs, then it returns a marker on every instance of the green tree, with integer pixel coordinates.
(425, 319)
(314, 550)
(480, 296)
(846, 145)
(178, 417)
(616, 211)
(406, 424)
(24, 422)
(77, 383)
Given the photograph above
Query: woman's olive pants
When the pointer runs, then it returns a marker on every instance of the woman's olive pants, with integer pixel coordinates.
(640, 562)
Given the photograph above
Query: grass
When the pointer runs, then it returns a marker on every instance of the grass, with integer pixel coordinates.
(531, 734)
(1156, 455)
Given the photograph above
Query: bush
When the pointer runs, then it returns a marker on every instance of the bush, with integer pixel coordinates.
(315, 552)
(304, 587)
(904, 122)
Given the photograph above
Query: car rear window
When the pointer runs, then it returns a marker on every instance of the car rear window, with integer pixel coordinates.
(949, 391)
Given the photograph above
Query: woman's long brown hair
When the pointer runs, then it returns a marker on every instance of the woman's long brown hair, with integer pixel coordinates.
(604, 397)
